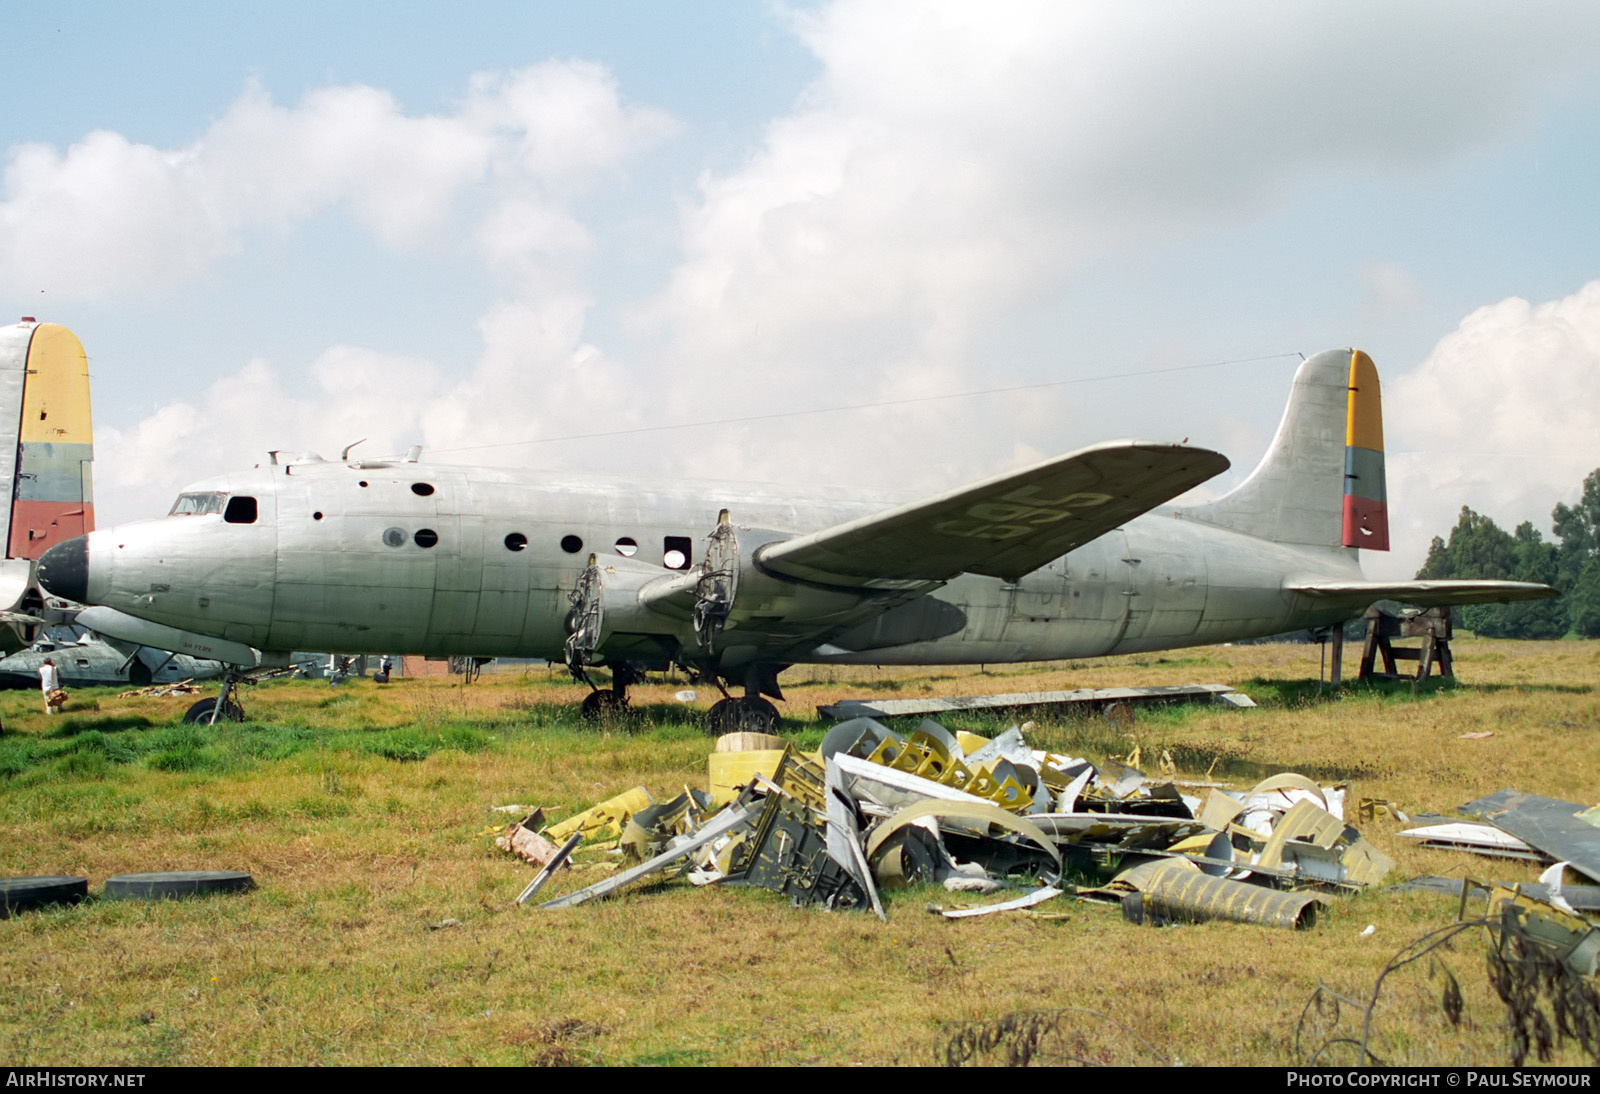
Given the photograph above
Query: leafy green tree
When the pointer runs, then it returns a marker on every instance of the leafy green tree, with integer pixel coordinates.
(1532, 559)
(1480, 548)
(1578, 557)
(1583, 609)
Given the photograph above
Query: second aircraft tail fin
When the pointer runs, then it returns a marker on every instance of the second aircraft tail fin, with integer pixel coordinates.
(46, 439)
(1321, 482)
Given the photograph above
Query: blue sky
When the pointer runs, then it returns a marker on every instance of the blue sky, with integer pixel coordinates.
(292, 226)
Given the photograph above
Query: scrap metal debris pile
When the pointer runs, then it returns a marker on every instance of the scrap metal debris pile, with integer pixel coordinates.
(1562, 909)
(874, 809)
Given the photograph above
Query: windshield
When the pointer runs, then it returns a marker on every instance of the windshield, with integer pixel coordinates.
(194, 505)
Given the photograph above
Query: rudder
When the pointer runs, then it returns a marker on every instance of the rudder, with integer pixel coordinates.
(1366, 501)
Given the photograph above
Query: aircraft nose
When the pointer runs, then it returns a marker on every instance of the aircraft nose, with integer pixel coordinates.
(64, 570)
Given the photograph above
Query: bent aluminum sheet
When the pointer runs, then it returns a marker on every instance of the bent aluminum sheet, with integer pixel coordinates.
(725, 821)
(844, 837)
(1323, 848)
(1585, 898)
(1027, 900)
(1123, 830)
(1549, 824)
(976, 817)
(1481, 839)
(896, 789)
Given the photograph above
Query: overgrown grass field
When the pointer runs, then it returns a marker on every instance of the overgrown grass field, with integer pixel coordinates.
(364, 814)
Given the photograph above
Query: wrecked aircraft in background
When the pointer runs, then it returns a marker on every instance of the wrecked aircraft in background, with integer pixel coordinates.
(86, 660)
(876, 809)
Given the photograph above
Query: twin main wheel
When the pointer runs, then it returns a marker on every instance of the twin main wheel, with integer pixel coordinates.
(751, 714)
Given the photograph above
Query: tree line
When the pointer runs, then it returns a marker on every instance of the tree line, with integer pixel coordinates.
(1479, 548)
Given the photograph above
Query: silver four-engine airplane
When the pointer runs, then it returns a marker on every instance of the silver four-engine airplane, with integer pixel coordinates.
(1078, 556)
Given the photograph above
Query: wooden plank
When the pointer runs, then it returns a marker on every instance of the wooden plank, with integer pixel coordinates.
(891, 708)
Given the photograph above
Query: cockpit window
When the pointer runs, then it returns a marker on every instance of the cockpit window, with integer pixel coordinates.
(242, 510)
(195, 505)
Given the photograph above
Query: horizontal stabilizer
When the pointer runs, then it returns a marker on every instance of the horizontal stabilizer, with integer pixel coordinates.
(1005, 527)
(1424, 594)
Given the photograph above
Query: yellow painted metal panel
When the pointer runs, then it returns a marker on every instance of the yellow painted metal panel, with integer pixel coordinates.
(1364, 420)
(55, 396)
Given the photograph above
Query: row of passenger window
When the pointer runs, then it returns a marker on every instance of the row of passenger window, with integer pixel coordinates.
(676, 551)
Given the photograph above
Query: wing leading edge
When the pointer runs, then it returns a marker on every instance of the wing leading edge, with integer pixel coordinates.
(1004, 527)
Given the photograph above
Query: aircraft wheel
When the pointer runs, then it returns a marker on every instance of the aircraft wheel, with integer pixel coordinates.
(598, 706)
(200, 713)
(18, 894)
(723, 717)
(174, 884)
(759, 715)
(750, 715)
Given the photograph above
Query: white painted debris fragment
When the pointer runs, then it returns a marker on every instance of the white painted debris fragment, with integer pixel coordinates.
(1027, 900)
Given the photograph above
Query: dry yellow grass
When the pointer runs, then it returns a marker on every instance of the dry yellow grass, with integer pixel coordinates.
(358, 849)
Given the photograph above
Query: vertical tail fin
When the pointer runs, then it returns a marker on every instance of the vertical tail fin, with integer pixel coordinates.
(44, 420)
(1321, 482)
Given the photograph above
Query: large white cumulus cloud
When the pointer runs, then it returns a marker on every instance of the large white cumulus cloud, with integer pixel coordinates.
(955, 162)
(950, 165)
(109, 218)
(112, 219)
(1503, 415)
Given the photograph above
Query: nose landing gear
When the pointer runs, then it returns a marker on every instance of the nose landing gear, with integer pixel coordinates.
(224, 708)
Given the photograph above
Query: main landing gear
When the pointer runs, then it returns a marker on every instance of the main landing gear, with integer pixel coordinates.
(603, 704)
(750, 714)
(600, 705)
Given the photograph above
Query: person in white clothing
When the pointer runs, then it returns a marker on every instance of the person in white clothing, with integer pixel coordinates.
(49, 681)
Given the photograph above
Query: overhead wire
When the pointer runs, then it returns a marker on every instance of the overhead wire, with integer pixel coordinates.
(879, 404)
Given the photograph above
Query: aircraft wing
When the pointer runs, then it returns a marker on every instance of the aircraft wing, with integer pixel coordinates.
(1005, 527)
(1424, 594)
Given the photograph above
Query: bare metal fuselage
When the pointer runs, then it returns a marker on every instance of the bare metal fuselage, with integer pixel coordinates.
(404, 557)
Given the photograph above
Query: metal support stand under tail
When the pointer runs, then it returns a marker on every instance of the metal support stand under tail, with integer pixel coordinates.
(1332, 641)
(1432, 626)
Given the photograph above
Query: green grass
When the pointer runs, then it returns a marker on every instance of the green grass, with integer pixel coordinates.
(364, 815)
